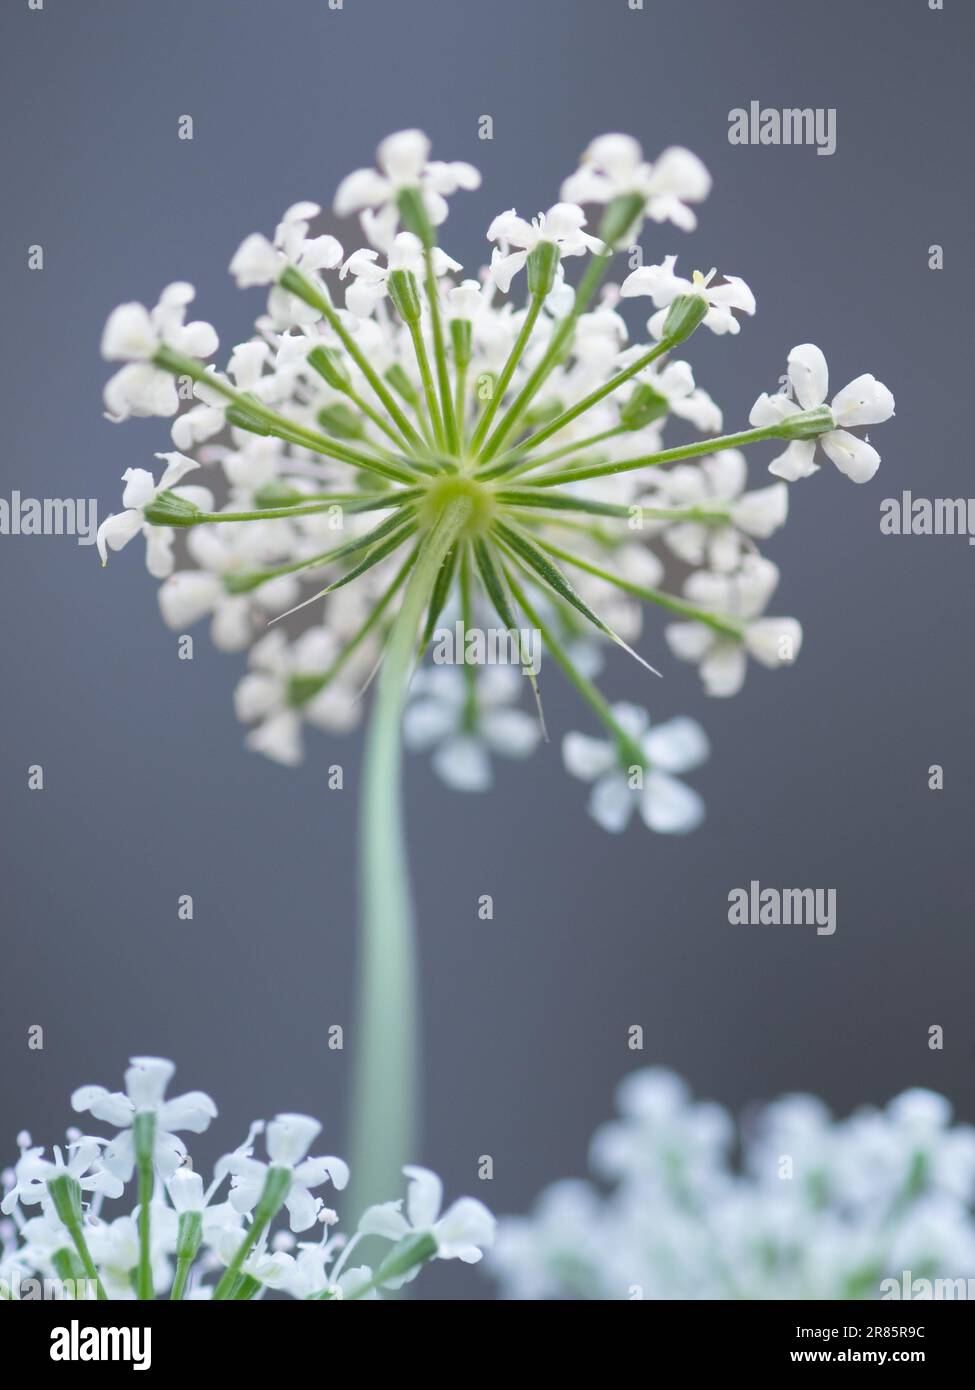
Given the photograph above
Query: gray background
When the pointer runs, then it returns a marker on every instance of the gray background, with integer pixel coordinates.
(819, 775)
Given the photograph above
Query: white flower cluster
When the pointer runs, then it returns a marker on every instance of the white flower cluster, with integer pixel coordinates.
(185, 1239)
(793, 1205)
(367, 407)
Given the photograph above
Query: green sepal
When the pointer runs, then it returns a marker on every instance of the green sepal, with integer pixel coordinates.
(684, 316)
(328, 363)
(342, 421)
(460, 337)
(644, 406)
(543, 262)
(166, 509)
(405, 294)
(414, 217)
(620, 218)
(807, 424)
(407, 1255)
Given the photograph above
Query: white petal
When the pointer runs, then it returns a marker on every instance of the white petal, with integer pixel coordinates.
(809, 375)
(797, 461)
(852, 456)
(256, 262)
(463, 763)
(423, 1197)
(723, 670)
(129, 334)
(611, 803)
(761, 512)
(586, 757)
(187, 597)
(386, 1219)
(670, 807)
(289, 1137)
(866, 401)
(774, 641)
(677, 745)
(116, 531)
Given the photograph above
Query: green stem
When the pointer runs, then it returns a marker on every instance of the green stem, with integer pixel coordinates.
(144, 1138)
(275, 423)
(440, 354)
(630, 751)
(65, 1193)
(507, 371)
(426, 377)
(386, 1090)
(588, 285)
(725, 627)
(685, 451)
(298, 284)
(277, 1184)
(580, 408)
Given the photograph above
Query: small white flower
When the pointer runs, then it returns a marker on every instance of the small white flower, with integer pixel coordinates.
(613, 166)
(438, 717)
(145, 1091)
(34, 1172)
(141, 490)
(562, 225)
(666, 804)
(741, 599)
(369, 283)
(258, 261)
(663, 287)
(866, 401)
(288, 1139)
(133, 334)
(463, 1232)
(404, 162)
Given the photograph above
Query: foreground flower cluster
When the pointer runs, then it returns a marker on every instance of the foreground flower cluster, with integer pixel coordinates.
(397, 437)
(816, 1208)
(187, 1240)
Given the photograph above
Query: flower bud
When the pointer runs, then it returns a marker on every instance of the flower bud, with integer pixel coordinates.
(342, 421)
(327, 362)
(460, 337)
(620, 219)
(405, 294)
(686, 313)
(543, 262)
(413, 215)
(166, 509)
(644, 406)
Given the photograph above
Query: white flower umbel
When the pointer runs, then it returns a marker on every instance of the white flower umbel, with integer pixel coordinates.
(464, 721)
(180, 1236)
(698, 1210)
(866, 401)
(409, 438)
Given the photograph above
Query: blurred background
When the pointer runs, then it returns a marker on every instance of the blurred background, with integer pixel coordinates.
(819, 775)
